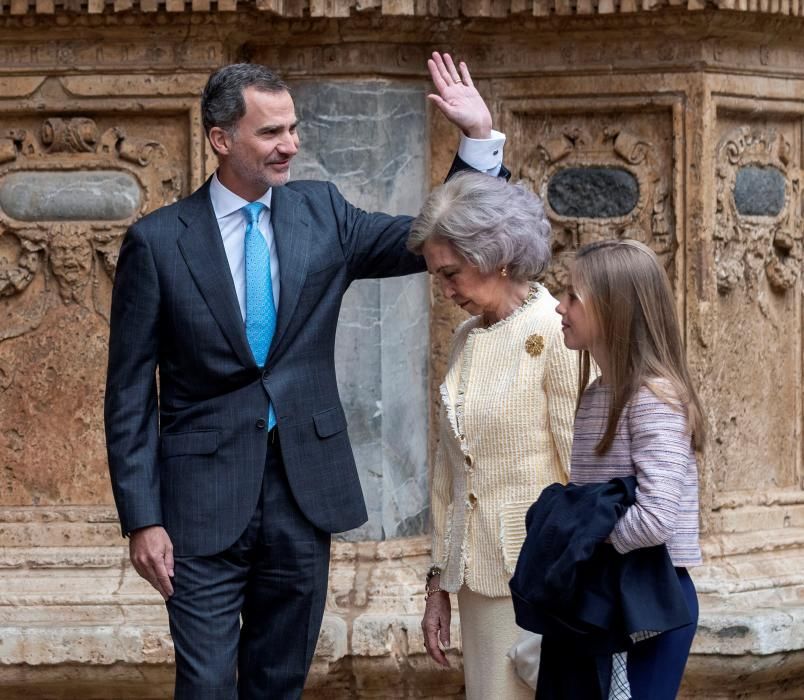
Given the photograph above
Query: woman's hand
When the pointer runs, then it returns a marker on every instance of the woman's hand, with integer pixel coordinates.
(435, 624)
(458, 98)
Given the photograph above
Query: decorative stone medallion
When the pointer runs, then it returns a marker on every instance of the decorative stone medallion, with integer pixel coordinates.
(757, 222)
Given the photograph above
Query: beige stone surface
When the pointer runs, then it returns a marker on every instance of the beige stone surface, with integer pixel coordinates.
(680, 95)
(77, 621)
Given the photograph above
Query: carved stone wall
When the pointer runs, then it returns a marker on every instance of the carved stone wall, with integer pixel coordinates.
(677, 124)
(758, 264)
(601, 174)
(69, 187)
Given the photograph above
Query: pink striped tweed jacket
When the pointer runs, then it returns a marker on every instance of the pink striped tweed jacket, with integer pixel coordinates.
(652, 443)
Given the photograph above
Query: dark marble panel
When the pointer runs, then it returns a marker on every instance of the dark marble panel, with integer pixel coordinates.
(593, 192)
(759, 191)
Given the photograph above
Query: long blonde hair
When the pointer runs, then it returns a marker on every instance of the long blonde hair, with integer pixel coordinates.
(627, 293)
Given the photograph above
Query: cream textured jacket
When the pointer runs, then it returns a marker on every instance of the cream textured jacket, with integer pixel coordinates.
(508, 404)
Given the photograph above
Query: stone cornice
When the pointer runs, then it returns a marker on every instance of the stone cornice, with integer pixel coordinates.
(409, 8)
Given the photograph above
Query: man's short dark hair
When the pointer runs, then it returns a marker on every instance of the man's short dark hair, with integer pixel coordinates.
(222, 103)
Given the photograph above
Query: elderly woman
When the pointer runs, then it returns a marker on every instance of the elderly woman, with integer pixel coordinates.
(508, 403)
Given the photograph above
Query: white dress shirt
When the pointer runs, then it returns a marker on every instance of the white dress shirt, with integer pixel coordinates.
(232, 224)
(484, 155)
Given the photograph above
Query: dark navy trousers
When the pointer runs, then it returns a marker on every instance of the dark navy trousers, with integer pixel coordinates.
(274, 580)
(656, 665)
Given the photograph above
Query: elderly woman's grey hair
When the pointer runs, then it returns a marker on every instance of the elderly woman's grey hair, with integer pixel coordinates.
(490, 223)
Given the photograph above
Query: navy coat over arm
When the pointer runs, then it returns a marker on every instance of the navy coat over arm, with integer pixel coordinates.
(581, 595)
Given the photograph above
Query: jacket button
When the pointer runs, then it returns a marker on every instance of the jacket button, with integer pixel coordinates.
(471, 500)
(260, 424)
(469, 460)
(265, 375)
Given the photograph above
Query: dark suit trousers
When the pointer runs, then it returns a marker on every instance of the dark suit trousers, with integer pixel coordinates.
(275, 576)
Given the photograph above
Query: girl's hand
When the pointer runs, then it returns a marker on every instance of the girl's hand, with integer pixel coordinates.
(435, 625)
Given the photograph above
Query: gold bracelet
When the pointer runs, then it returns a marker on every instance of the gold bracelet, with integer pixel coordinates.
(429, 591)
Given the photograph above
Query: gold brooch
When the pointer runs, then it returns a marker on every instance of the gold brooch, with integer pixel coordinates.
(534, 345)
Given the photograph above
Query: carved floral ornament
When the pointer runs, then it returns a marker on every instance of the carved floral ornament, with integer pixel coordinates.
(757, 229)
(620, 191)
(67, 195)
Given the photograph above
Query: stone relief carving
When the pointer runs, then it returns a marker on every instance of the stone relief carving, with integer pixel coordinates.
(56, 56)
(14, 278)
(750, 245)
(651, 218)
(73, 253)
(69, 188)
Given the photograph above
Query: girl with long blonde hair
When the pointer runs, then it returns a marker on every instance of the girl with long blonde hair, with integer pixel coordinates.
(640, 417)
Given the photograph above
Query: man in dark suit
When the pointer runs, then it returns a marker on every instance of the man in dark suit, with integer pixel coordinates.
(231, 473)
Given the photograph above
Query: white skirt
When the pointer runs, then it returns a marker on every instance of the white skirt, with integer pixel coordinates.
(488, 631)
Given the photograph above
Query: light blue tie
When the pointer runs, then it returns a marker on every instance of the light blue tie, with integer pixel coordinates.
(260, 308)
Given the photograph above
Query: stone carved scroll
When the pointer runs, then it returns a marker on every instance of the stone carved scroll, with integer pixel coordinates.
(648, 217)
(764, 237)
(78, 135)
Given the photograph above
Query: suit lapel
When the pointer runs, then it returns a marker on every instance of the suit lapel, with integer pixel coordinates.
(293, 238)
(201, 246)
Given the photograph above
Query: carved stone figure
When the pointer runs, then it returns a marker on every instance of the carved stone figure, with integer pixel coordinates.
(71, 257)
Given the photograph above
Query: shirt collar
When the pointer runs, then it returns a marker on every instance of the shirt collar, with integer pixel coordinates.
(226, 202)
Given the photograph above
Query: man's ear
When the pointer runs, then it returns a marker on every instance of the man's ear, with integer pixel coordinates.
(220, 140)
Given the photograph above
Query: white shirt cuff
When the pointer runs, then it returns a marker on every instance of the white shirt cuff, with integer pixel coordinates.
(485, 155)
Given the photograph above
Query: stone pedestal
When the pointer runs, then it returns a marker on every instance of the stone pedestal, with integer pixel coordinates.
(78, 622)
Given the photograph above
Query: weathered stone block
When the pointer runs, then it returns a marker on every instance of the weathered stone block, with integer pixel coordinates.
(70, 196)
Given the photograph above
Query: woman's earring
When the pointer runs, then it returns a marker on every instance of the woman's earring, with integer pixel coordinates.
(504, 272)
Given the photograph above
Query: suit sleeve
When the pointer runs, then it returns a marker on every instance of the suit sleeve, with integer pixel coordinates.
(131, 407)
(374, 244)
(459, 165)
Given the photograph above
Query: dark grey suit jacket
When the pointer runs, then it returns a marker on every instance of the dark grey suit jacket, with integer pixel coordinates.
(190, 456)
